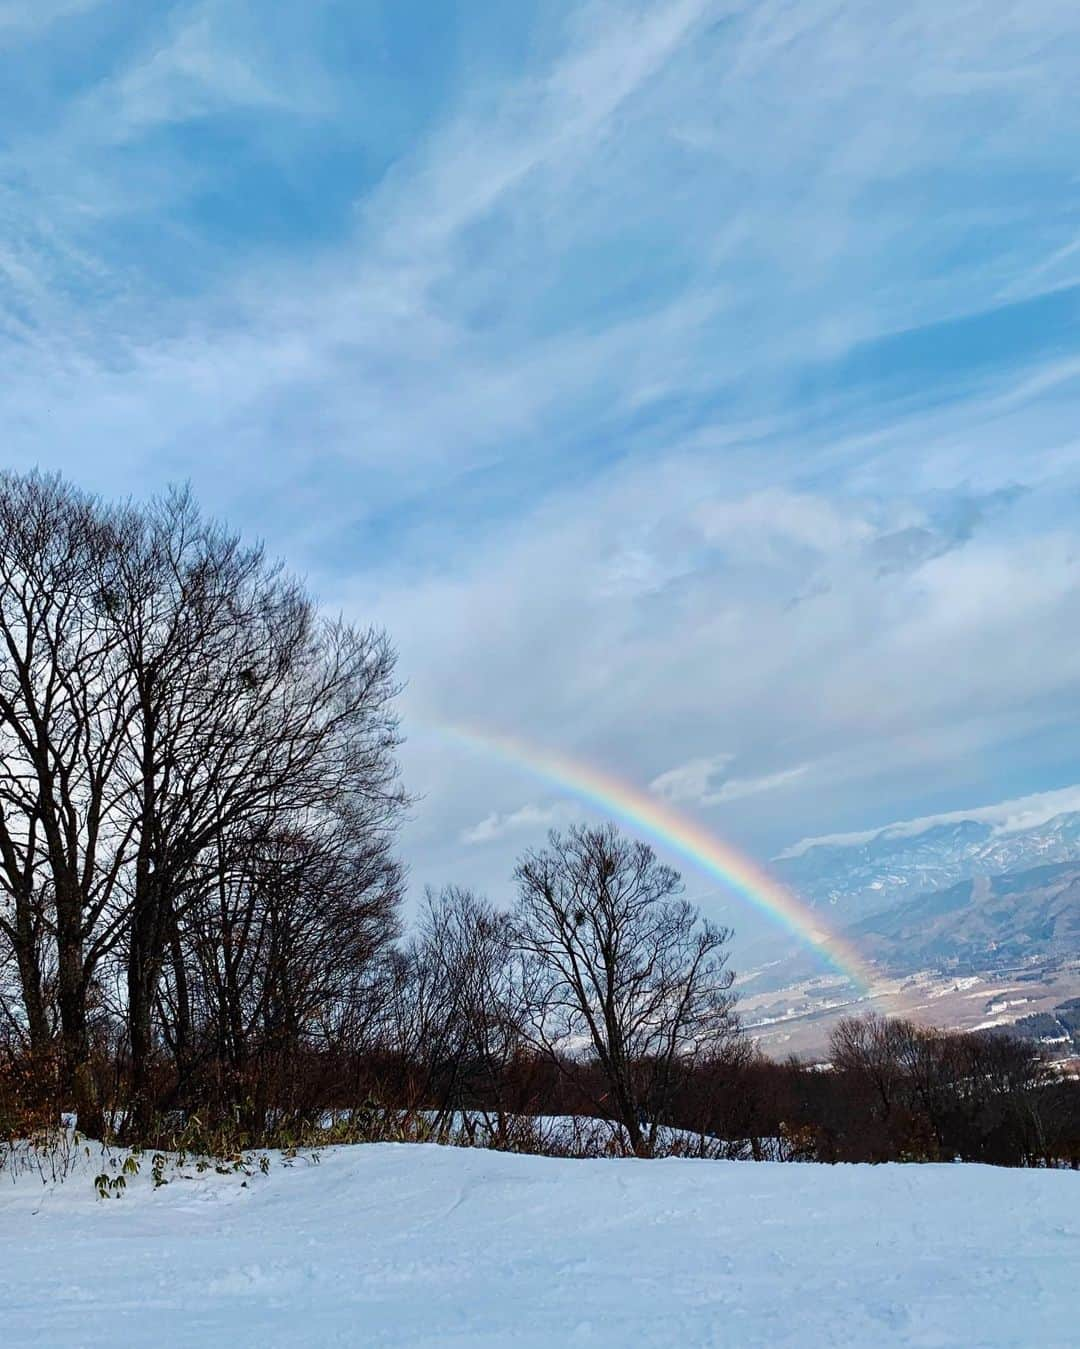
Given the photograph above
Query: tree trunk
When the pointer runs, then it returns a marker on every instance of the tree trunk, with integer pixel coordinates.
(78, 1075)
(147, 945)
(71, 999)
(24, 938)
(182, 1027)
(143, 977)
(29, 964)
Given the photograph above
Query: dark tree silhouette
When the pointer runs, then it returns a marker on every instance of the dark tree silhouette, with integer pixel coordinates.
(613, 964)
(178, 723)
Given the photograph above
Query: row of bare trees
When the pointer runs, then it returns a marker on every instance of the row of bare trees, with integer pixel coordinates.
(602, 986)
(889, 1090)
(919, 1092)
(197, 788)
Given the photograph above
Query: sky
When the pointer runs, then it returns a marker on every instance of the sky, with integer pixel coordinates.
(689, 388)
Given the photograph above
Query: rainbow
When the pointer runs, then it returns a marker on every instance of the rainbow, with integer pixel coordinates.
(682, 835)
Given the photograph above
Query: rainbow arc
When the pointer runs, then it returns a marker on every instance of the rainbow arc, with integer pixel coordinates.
(683, 835)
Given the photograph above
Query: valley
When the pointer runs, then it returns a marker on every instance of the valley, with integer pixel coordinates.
(969, 924)
(798, 1019)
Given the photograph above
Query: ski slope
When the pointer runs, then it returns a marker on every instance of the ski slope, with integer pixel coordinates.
(421, 1245)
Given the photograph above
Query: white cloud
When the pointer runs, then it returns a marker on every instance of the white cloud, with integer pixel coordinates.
(496, 826)
(190, 75)
(737, 789)
(702, 782)
(872, 688)
(690, 781)
(21, 19)
(1006, 817)
(767, 523)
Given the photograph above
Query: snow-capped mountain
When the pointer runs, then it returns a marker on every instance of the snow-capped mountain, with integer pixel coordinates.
(867, 875)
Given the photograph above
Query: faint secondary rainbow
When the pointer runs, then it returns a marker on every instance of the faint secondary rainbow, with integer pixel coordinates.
(681, 834)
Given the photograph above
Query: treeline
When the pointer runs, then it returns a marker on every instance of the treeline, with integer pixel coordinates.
(200, 906)
(891, 1090)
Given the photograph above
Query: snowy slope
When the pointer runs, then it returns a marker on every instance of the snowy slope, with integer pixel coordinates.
(407, 1245)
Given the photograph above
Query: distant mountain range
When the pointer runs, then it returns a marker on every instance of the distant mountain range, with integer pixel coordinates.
(871, 875)
(979, 924)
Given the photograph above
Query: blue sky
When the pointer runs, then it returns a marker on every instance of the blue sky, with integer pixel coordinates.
(689, 386)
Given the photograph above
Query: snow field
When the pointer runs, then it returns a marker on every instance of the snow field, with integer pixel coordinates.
(420, 1245)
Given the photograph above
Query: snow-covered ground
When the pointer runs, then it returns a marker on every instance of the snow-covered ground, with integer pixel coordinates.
(409, 1245)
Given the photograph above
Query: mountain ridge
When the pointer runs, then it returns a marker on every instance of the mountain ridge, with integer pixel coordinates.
(894, 866)
(980, 923)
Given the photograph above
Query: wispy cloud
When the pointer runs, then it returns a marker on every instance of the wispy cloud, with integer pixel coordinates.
(737, 789)
(704, 783)
(1006, 817)
(496, 826)
(191, 75)
(691, 781)
(20, 20)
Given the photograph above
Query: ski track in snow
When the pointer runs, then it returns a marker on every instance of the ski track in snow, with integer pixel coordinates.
(420, 1245)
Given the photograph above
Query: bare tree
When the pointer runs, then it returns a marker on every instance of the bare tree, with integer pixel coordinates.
(879, 1051)
(64, 710)
(272, 953)
(468, 942)
(252, 715)
(616, 966)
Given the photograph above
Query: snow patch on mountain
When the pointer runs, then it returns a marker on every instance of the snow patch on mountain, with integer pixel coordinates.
(867, 873)
(1020, 813)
